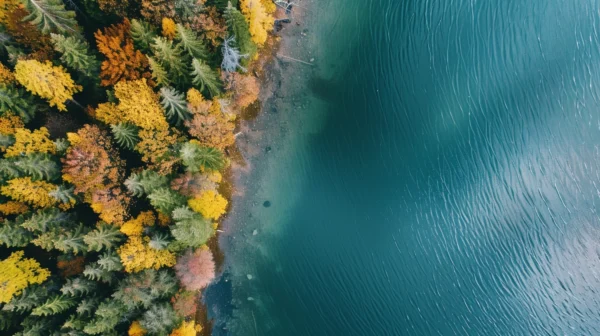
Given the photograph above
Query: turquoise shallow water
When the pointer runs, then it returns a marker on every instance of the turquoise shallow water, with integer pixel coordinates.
(436, 173)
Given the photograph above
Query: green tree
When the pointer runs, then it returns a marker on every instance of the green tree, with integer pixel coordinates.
(143, 289)
(31, 297)
(159, 241)
(16, 101)
(94, 271)
(110, 261)
(105, 236)
(78, 287)
(190, 229)
(238, 28)
(191, 43)
(160, 319)
(54, 305)
(143, 34)
(145, 182)
(63, 239)
(171, 58)
(196, 157)
(205, 78)
(75, 54)
(107, 316)
(64, 194)
(126, 134)
(51, 16)
(87, 306)
(174, 105)
(37, 165)
(166, 200)
(159, 74)
(13, 235)
(46, 219)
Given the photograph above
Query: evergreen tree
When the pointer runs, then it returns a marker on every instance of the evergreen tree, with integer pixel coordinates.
(7, 320)
(51, 16)
(110, 261)
(126, 134)
(160, 319)
(205, 78)
(107, 316)
(196, 157)
(190, 229)
(28, 299)
(191, 43)
(143, 34)
(174, 105)
(6, 140)
(171, 58)
(78, 287)
(239, 29)
(75, 323)
(64, 194)
(13, 235)
(159, 74)
(61, 146)
(54, 305)
(187, 10)
(166, 200)
(159, 241)
(9, 170)
(75, 54)
(145, 182)
(105, 236)
(94, 271)
(38, 166)
(46, 219)
(144, 288)
(87, 306)
(16, 101)
(70, 240)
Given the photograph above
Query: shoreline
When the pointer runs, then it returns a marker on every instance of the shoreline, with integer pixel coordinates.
(252, 131)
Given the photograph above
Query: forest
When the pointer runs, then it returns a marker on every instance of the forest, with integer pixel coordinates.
(116, 123)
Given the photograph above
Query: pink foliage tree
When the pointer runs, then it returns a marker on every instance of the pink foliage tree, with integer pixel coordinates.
(196, 269)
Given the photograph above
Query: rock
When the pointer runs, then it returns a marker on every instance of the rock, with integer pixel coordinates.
(267, 204)
(255, 232)
(250, 298)
(312, 59)
(249, 276)
(268, 149)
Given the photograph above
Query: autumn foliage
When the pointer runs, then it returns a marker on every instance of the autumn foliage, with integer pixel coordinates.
(196, 269)
(18, 273)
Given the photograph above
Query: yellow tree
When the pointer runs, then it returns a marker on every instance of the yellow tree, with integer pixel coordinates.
(169, 29)
(52, 83)
(25, 190)
(187, 329)
(13, 208)
(136, 329)
(27, 142)
(10, 123)
(135, 227)
(6, 77)
(17, 274)
(259, 20)
(209, 204)
(140, 105)
(136, 255)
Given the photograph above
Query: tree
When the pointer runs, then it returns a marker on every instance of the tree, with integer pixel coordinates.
(143, 34)
(135, 227)
(212, 129)
(155, 10)
(136, 329)
(159, 74)
(107, 113)
(205, 77)
(13, 208)
(168, 28)
(13, 235)
(78, 287)
(160, 319)
(37, 165)
(109, 261)
(143, 289)
(158, 149)
(136, 255)
(66, 240)
(192, 184)
(185, 303)
(75, 54)
(54, 305)
(209, 203)
(196, 269)
(197, 158)
(166, 200)
(232, 57)
(87, 306)
(245, 89)
(47, 219)
(17, 274)
(28, 142)
(145, 182)
(35, 193)
(29, 298)
(126, 134)
(122, 60)
(191, 43)
(94, 271)
(103, 237)
(174, 105)
(239, 30)
(187, 329)
(64, 194)
(51, 16)
(259, 21)
(16, 101)
(171, 58)
(190, 229)
(139, 105)
(107, 316)
(52, 83)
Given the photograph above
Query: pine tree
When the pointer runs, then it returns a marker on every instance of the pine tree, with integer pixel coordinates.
(196, 157)
(61, 145)
(94, 271)
(205, 78)
(171, 58)
(239, 29)
(75, 54)
(143, 34)
(13, 235)
(87, 306)
(8, 170)
(74, 322)
(232, 57)
(71, 240)
(144, 288)
(51, 16)
(160, 319)
(191, 43)
(166, 200)
(47, 219)
(30, 297)
(174, 105)
(159, 241)
(37, 165)
(190, 229)
(110, 261)
(64, 194)
(105, 236)
(145, 182)
(6, 140)
(126, 134)
(8, 320)
(78, 287)
(16, 101)
(106, 317)
(54, 305)
(159, 74)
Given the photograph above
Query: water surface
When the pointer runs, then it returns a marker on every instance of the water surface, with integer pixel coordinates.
(435, 173)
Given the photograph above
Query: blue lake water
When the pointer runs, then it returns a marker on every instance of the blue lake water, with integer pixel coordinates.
(436, 172)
